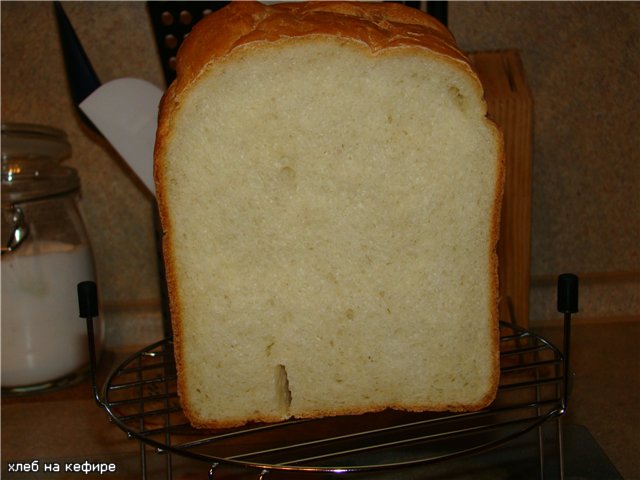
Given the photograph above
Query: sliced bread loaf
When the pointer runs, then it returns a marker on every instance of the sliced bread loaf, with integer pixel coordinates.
(329, 189)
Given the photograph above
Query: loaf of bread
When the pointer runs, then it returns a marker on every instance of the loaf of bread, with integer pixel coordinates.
(329, 190)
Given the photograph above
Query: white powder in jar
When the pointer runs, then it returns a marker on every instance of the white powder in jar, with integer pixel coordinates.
(43, 337)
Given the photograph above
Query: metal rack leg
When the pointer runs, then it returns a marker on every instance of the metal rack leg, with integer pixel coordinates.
(143, 450)
(560, 449)
(88, 306)
(168, 466)
(541, 451)
(167, 418)
(143, 462)
(568, 289)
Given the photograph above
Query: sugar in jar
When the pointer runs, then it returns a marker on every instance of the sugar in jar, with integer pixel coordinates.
(45, 254)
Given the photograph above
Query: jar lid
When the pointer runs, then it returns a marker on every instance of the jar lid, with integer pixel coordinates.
(31, 169)
(24, 140)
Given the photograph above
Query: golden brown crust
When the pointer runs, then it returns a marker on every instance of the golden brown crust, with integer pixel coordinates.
(493, 255)
(379, 25)
(383, 27)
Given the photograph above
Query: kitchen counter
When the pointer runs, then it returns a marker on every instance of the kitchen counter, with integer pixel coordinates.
(68, 428)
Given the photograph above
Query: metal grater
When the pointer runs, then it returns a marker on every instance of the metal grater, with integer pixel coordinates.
(172, 22)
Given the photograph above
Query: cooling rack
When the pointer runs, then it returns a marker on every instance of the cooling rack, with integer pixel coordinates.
(140, 397)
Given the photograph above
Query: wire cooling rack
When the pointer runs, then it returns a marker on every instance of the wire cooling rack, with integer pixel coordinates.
(140, 397)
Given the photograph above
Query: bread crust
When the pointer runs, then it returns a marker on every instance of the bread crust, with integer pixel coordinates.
(379, 25)
(385, 28)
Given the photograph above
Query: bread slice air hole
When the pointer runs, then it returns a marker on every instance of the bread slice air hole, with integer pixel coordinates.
(458, 97)
(282, 388)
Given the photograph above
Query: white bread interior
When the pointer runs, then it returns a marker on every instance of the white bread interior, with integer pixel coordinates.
(330, 217)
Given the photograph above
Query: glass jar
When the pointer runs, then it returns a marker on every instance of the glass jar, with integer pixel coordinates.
(45, 254)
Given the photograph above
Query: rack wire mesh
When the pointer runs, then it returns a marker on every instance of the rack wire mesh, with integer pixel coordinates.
(141, 398)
